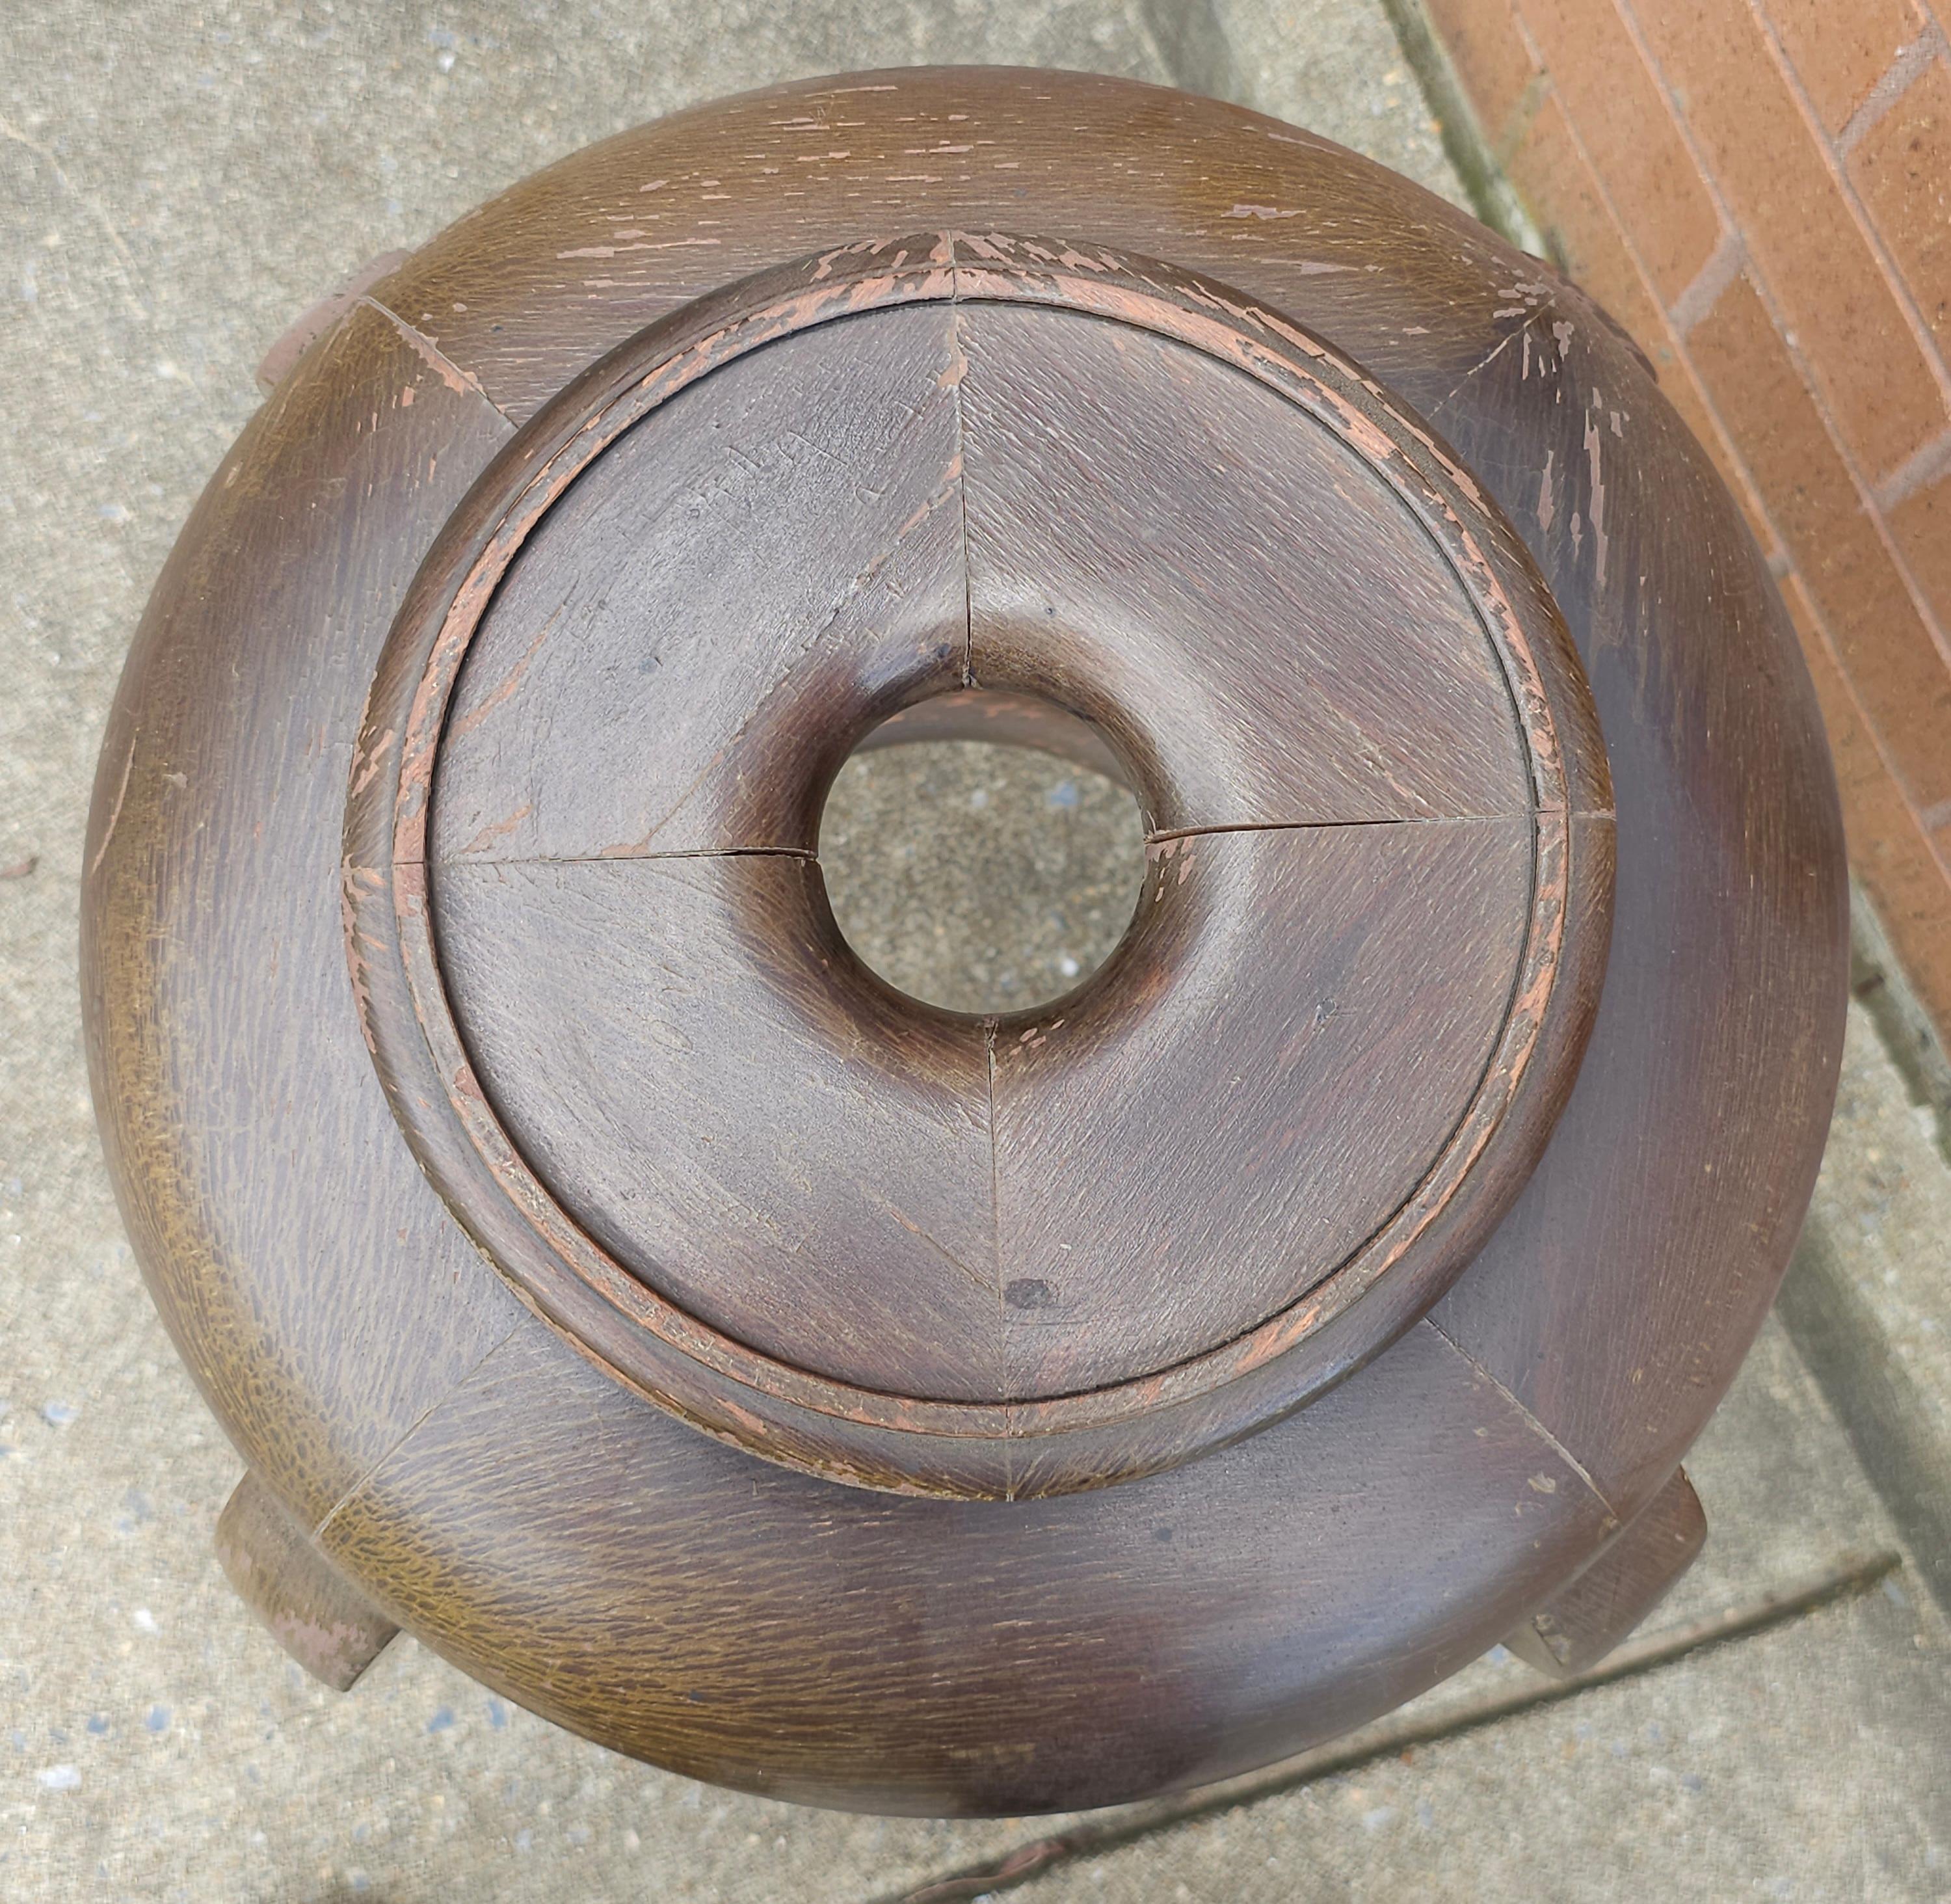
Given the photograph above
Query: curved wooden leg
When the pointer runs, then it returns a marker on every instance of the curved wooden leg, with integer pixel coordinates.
(1629, 1579)
(314, 1614)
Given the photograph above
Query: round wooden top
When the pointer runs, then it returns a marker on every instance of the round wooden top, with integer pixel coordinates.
(470, 1434)
(893, 1245)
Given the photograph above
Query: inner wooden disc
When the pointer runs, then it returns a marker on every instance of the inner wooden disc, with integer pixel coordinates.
(1316, 1069)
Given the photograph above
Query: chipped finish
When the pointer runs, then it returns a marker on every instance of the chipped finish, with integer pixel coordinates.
(1136, 167)
(482, 1474)
(311, 324)
(1158, 1387)
(311, 1609)
(461, 382)
(1635, 1569)
(1729, 862)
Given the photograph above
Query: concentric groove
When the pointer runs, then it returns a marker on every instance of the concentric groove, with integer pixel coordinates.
(902, 1441)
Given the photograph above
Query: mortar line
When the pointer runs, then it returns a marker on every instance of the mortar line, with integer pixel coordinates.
(1908, 65)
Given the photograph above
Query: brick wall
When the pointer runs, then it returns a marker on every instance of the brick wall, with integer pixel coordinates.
(1760, 190)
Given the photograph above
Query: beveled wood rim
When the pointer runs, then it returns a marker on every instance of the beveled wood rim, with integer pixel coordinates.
(789, 1414)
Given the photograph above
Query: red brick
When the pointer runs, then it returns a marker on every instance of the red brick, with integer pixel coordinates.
(1872, 370)
(1903, 172)
(1682, 390)
(1629, 133)
(1562, 196)
(1899, 676)
(1888, 848)
(1491, 57)
(1864, 780)
(1921, 525)
(1840, 49)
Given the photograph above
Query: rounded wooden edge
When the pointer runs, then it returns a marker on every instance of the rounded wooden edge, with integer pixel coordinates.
(1700, 1325)
(1001, 718)
(837, 1429)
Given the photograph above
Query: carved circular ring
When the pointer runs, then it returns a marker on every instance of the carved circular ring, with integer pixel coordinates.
(1080, 1416)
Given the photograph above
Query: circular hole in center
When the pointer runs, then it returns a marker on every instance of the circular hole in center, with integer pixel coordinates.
(978, 877)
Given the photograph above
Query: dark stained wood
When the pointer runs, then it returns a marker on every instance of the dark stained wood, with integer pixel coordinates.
(743, 1623)
(1210, 1132)
(317, 319)
(642, 695)
(1678, 1173)
(689, 1058)
(1252, 605)
(1280, 515)
(632, 229)
(1634, 1572)
(636, 1018)
(223, 1047)
(763, 567)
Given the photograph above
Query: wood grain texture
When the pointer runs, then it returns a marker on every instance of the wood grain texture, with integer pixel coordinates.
(1634, 1572)
(1482, 705)
(1679, 1171)
(1136, 1640)
(684, 1050)
(1248, 588)
(1256, 1088)
(769, 563)
(1207, 1134)
(629, 230)
(314, 322)
(224, 1051)
(308, 1606)
(477, 1468)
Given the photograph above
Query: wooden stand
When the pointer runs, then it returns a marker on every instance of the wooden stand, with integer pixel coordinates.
(778, 1378)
